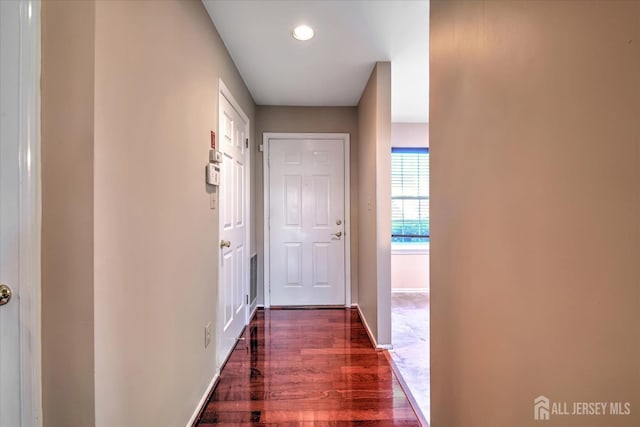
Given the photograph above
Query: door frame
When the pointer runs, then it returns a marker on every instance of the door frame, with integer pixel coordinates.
(28, 188)
(224, 92)
(267, 136)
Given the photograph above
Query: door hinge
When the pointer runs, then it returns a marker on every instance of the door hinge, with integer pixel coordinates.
(246, 143)
(247, 299)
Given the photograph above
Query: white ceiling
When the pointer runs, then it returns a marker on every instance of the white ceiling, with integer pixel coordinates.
(332, 68)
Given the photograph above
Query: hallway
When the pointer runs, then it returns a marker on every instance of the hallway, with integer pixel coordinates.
(307, 367)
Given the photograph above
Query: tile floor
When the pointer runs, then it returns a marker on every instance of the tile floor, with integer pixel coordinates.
(410, 338)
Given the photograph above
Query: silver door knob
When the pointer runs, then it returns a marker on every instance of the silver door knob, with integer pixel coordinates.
(5, 294)
(225, 244)
(338, 234)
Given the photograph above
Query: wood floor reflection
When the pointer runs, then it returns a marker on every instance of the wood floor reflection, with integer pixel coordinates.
(307, 368)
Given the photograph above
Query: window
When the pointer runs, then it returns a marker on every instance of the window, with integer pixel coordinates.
(410, 195)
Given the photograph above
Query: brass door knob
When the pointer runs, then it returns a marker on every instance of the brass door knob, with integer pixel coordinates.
(5, 294)
(225, 244)
(338, 234)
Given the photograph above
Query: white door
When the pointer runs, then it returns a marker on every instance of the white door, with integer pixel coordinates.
(234, 227)
(19, 233)
(307, 221)
(9, 218)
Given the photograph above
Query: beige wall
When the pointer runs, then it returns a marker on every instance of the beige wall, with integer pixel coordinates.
(410, 271)
(410, 134)
(303, 120)
(67, 213)
(157, 70)
(129, 239)
(374, 200)
(535, 165)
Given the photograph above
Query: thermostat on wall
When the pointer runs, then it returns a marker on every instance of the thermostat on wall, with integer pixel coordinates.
(213, 174)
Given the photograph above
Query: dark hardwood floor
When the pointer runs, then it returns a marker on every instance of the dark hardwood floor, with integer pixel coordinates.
(307, 368)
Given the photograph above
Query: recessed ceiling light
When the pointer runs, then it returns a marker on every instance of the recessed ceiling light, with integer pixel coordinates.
(303, 32)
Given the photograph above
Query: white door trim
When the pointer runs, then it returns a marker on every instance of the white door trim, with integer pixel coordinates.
(347, 207)
(223, 91)
(28, 142)
(31, 215)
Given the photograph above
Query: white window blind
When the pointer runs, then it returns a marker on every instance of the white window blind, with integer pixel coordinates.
(409, 194)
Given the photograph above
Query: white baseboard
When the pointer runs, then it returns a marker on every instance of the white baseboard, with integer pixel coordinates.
(253, 312)
(203, 401)
(368, 329)
(409, 290)
(366, 326)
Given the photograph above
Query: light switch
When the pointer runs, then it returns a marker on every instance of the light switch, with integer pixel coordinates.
(213, 200)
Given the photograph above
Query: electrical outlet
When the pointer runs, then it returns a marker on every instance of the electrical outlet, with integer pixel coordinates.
(207, 335)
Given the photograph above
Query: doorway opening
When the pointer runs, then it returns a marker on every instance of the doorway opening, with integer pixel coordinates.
(410, 248)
